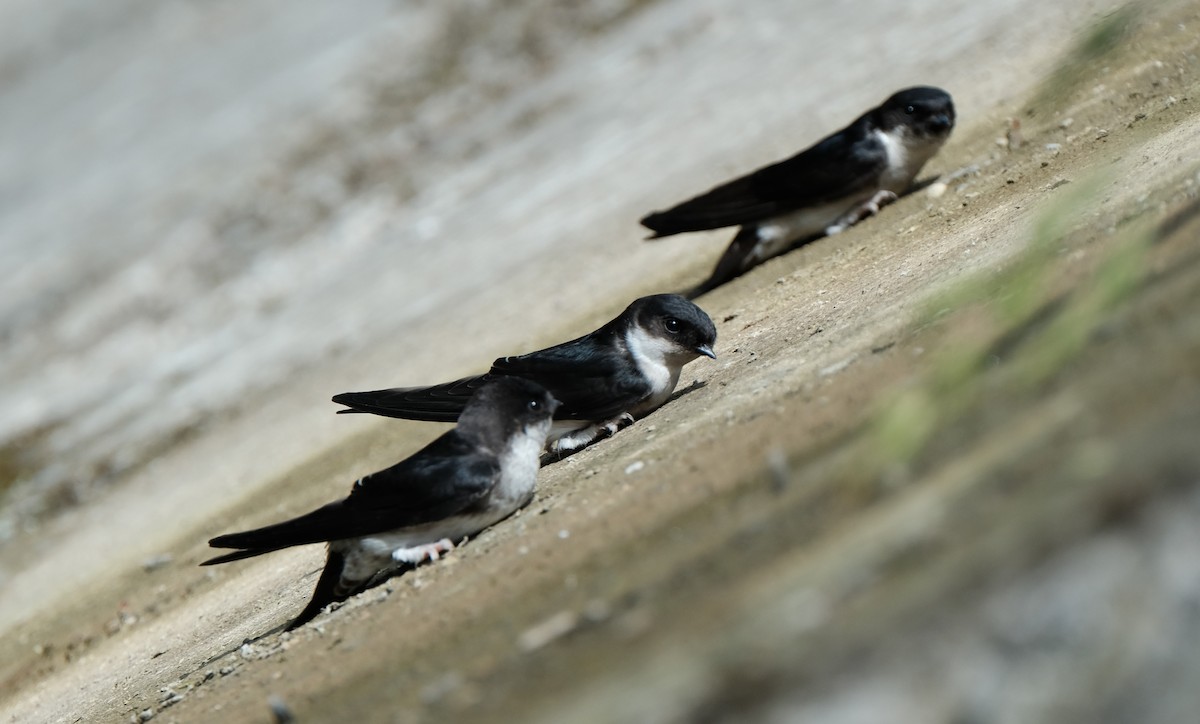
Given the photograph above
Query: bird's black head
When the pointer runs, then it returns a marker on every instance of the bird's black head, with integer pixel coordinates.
(686, 331)
(508, 405)
(925, 111)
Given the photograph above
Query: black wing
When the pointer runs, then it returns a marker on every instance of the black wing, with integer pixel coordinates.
(842, 164)
(445, 478)
(439, 403)
(588, 375)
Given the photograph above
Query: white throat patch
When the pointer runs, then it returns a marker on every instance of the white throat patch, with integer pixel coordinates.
(519, 463)
(907, 154)
(657, 359)
(897, 172)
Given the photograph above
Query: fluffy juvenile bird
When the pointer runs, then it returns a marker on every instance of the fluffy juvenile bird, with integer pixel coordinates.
(604, 379)
(822, 190)
(464, 481)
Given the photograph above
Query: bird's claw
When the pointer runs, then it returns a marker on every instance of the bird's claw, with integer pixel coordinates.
(870, 207)
(422, 553)
(614, 425)
(572, 443)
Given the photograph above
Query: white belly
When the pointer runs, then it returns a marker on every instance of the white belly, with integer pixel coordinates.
(519, 463)
(905, 158)
(776, 235)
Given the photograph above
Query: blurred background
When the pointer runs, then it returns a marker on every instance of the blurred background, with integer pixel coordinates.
(201, 200)
(215, 215)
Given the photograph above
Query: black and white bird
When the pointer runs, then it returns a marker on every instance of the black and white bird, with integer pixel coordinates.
(820, 191)
(464, 481)
(604, 379)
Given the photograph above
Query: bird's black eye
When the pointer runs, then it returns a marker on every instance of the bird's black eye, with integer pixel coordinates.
(533, 405)
(910, 110)
(672, 324)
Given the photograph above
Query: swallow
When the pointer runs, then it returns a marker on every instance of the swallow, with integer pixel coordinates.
(823, 190)
(471, 477)
(605, 379)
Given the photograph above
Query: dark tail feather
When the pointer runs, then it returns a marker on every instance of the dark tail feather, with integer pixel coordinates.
(254, 542)
(326, 592)
(664, 224)
(237, 555)
(734, 203)
(318, 526)
(438, 403)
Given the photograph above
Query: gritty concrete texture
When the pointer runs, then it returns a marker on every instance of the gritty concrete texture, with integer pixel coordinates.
(942, 470)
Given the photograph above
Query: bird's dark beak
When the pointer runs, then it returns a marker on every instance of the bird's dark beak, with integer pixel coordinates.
(554, 405)
(941, 122)
(707, 351)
